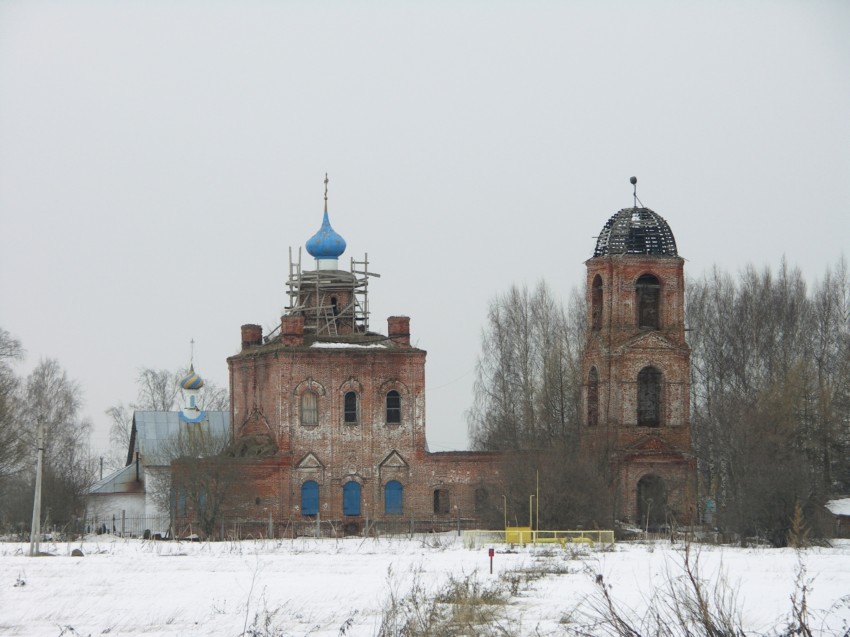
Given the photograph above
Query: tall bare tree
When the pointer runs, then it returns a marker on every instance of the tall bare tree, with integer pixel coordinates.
(526, 404)
(10, 440)
(528, 378)
(769, 364)
(47, 397)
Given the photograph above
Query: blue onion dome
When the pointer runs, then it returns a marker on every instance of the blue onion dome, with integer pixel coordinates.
(636, 231)
(192, 380)
(326, 243)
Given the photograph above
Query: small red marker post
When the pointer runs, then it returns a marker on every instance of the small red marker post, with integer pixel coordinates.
(490, 552)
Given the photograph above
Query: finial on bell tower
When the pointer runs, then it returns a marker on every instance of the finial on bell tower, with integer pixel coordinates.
(633, 181)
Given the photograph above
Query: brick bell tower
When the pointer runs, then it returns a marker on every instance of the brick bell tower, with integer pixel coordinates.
(636, 369)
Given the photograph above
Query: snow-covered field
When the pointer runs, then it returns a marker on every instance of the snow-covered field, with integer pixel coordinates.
(340, 587)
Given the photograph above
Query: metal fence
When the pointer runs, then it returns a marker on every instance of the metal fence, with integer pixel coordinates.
(523, 535)
(241, 528)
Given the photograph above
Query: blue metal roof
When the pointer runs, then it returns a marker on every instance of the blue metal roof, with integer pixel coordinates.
(156, 431)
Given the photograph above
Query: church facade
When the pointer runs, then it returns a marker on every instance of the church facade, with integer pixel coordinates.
(328, 417)
(327, 420)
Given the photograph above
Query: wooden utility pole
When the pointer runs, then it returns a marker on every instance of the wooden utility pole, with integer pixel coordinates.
(35, 531)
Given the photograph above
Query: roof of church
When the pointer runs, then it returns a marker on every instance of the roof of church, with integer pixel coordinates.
(121, 481)
(326, 243)
(636, 231)
(192, 380)
(154, 432)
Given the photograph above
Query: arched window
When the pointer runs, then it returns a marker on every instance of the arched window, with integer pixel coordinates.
(309, 408)
(350, 407)
(649, 397)
(393, 407)
(592, 398)
(596, 304)
(648, 296)
(310, 498)
(441, 500)
(351, 498)
(482, 500)
(393, 498)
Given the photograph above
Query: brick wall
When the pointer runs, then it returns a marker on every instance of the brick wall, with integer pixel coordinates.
(618, 348)
(268, 382)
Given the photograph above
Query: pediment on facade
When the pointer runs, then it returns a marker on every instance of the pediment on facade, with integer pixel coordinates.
(647, 340)
(255, 423)
(393, 460)
(652, 445)
(310, 461)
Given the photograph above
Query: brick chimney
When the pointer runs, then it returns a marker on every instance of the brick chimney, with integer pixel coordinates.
(252, 335)
(398, 329)
(292, 328)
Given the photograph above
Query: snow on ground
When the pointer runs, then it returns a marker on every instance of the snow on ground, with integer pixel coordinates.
(334, 587)
(839, 507)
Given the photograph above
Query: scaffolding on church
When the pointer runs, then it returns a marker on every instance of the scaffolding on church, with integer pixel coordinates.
(315, 294)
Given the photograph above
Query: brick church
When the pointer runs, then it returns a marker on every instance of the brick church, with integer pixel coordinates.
(328, 417)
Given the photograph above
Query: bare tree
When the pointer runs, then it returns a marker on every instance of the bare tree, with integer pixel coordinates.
(769, 361)
(119, 436)
(526, 404)
(528, 374)
(10, 440)
(158, 389)
(48, 397)
(200, 479)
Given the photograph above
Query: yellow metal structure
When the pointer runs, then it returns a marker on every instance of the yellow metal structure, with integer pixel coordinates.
(517, 535)
(523, 535)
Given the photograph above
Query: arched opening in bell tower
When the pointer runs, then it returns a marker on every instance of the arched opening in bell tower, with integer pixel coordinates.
(592, 398)
(651, 502)
(596, 303)
(649, 397)
(647, 290)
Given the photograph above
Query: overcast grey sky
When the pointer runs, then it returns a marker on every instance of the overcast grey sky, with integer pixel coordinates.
(158, 159)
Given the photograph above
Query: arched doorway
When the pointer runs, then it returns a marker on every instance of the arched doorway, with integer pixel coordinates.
(310, 498)
(393, 498)
(651, 502)
(351, 498)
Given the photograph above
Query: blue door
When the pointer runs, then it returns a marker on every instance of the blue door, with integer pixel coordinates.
(310, 498)
(351, 498)
(393, 493)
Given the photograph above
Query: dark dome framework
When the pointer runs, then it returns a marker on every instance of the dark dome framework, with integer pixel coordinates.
(636, 231)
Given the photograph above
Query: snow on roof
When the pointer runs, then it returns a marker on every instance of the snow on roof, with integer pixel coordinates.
(348, 345)
(839, 507)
